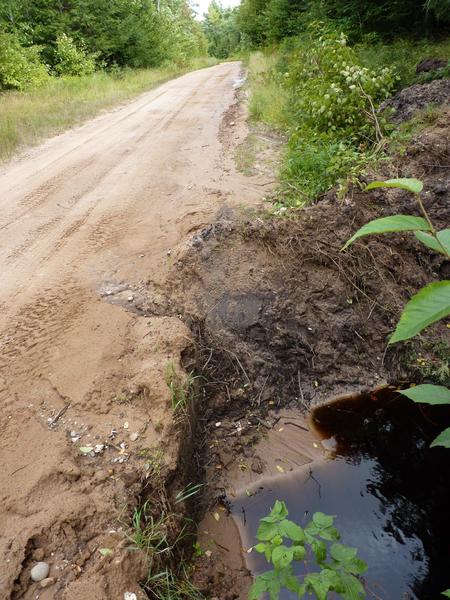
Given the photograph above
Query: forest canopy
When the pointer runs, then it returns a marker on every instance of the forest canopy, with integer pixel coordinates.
(71, 37)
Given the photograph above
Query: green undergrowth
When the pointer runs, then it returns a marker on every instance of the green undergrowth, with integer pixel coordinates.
(325, 94)
(164, 540)
(28, 117)
(402, 56)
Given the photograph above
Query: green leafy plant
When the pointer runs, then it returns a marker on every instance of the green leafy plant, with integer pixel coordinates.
(283, 543)
(71, 60)
(20, 67)
(431, 303)
(180, 390)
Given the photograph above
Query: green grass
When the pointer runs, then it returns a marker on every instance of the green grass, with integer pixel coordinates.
(268, 99)
(28, 117)
(402, 56)
(162, 540)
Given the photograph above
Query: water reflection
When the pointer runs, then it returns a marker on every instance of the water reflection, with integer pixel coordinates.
(387, 488)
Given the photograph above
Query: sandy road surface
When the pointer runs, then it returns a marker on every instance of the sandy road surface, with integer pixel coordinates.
(91, 212)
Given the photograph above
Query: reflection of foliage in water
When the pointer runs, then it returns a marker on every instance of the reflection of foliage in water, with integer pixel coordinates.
(397, 435)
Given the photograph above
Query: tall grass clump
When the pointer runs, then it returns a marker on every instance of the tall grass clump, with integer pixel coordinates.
(269, 99)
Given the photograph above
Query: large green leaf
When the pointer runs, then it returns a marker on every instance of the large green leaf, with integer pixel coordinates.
(389, 225)
(410, 185)
(441, 244)
(443, 439)
(429, 305)
(353, 589)
(446, 593)
(428, 394)
(282, 556)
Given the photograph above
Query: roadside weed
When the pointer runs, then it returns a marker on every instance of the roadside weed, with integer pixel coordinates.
(283, 543)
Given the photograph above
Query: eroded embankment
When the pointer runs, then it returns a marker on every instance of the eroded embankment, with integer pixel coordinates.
(282, 319)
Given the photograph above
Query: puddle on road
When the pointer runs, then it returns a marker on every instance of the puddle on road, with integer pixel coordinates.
(388, 489)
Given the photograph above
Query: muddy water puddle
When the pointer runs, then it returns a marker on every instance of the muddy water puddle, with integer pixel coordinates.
(388, 490)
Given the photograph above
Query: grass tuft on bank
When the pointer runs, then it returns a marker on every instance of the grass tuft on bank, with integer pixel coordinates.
(27, 117)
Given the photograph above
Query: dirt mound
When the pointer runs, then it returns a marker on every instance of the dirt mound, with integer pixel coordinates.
(416, 97)
(431, 64)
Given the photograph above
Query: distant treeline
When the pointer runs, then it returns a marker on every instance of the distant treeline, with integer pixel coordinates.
(257, 23)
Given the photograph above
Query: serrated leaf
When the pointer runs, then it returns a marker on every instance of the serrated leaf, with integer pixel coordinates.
(259, 587)
(266, 531)
(443, 439)
(440, 245)
(322, 520)
(322, 582)
(342, 553)
(352, 588)
(282, 556)
(429, 305)
(428, 394)
(389, 225)
(105, 551)
(412, 185)
(330, 534)
(299, 552)
(319, 549)
(292, 531)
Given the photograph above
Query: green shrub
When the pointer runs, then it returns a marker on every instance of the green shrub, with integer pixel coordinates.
(333, 91)
(20, 67)
(70, 60)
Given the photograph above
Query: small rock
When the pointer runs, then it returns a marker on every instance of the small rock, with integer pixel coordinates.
(39, 571)
(73, 434)
(129, 596)
(109, 293)
(126, 425)
(134, 436)
(218, 424)
(130, 298)
(99, 448)
(47, 582)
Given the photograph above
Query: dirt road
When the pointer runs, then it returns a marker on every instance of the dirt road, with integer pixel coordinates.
(85, 220)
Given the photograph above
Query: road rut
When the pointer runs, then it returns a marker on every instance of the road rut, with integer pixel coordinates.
(84, 218)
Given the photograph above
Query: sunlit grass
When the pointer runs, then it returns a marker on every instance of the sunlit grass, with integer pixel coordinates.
(268, 100)
(28, 117)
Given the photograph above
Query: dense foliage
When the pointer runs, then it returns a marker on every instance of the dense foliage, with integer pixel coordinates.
(221, 30)
(263, 21)
(74, 37)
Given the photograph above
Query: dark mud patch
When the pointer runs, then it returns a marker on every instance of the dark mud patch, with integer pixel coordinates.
(410, 100)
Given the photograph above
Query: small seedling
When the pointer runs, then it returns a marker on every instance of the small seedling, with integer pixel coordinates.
(283, 543)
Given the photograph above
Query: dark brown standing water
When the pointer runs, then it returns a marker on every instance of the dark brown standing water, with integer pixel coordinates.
(389, 491)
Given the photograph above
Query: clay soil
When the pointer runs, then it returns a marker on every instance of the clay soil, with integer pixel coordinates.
(133, 243)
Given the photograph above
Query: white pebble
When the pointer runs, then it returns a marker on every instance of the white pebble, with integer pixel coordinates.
(39, 571)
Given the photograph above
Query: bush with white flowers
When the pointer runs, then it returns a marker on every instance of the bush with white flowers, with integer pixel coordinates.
(333, 91)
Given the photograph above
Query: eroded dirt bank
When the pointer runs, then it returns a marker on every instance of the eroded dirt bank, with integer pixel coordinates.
(282, 319)
(84, 218)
